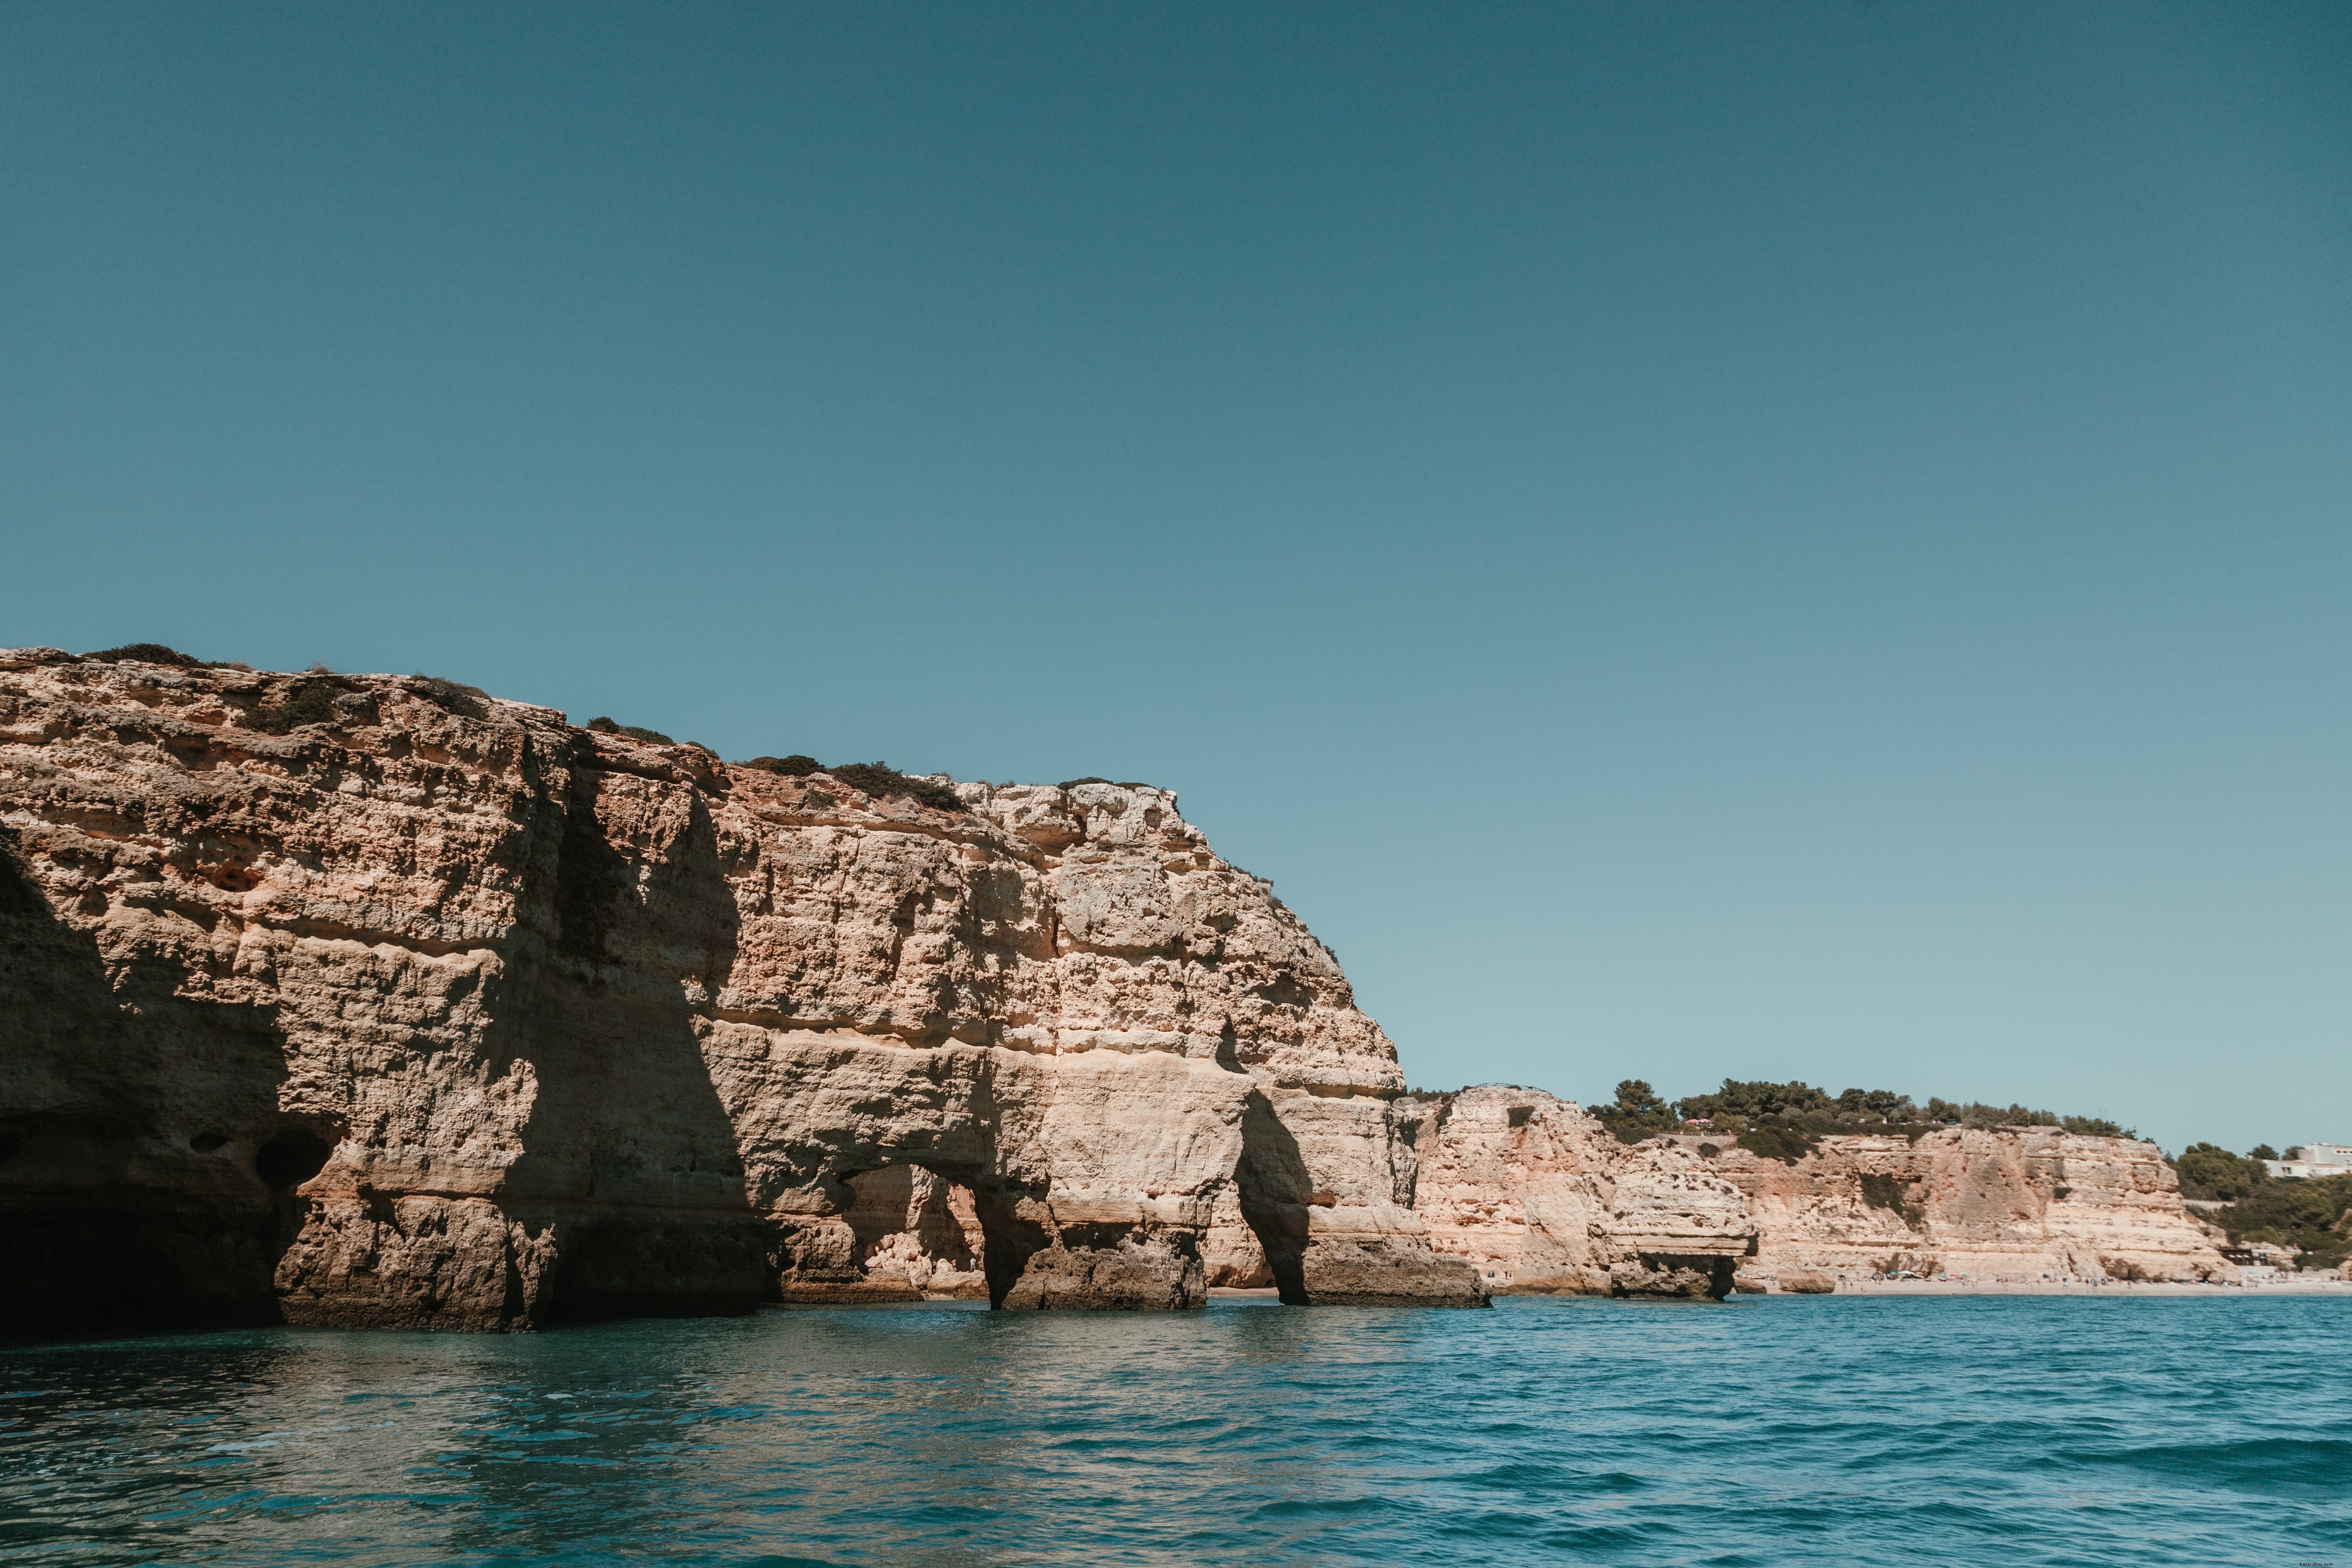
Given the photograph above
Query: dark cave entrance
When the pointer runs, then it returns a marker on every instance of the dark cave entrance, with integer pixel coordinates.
(288, 1160)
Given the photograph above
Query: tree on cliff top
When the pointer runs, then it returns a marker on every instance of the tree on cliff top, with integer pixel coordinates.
(2210, 1171)
(2312, 1215)
(1798, 1108)
(1638, 1112)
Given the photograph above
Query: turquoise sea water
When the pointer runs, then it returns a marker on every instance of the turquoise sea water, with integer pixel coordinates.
(1777, 1431)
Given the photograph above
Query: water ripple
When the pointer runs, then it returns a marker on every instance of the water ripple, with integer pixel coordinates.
(1753, 1435)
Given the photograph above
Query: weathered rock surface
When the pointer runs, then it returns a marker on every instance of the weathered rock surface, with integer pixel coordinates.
(2019, 1203)
(438, 1010)
(919, 1237)
(1538, 1197)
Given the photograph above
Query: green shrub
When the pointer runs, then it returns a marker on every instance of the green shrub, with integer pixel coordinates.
(2210, 1171)
(450, 696)
(1892, 1193)
(1799, 1108)
(310, 702)
(2312, 1214)
(793, 766)
(1759, 1099)
(1073, 783)
(1774, 1142)
(603, 725)
(1637, 1114)
(144, 654)
(880, 781)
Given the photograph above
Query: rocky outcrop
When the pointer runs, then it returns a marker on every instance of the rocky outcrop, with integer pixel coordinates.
(2015, 1203)
(1538, 1197)
(374, 1001)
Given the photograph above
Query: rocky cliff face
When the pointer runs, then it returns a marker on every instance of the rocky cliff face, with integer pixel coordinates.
(366, 1000)
(2018, 1203)
(1538, 1197)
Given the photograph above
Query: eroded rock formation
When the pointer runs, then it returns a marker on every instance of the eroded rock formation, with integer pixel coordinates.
(2017, 1203)
(368, 999)
(1538, 1197)
(919, 1237)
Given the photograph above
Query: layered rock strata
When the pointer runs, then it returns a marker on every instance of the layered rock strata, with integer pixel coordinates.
(2012, 1203)
(1540, 1197)
(369, 999)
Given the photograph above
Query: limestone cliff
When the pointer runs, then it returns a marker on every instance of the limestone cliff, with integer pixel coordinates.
(1538, 1197)
(2019, 1203)
(371, 999)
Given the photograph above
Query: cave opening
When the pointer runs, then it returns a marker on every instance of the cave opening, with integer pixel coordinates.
(292, 1158)
(918, 1234)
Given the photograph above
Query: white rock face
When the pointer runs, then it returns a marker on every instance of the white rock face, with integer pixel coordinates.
(1538, 1197)
(367, 999)
(2018, 1203)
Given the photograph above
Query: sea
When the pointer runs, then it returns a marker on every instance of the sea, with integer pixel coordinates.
(1768, 1431)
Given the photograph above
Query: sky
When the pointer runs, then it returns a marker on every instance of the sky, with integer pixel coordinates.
(1689, 541)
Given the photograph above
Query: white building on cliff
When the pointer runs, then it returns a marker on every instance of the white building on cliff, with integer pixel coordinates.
(2314, 1160)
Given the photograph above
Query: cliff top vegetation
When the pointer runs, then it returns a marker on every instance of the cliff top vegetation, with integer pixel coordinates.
(879, 780)
(1785, 1121)
(2313, 1215)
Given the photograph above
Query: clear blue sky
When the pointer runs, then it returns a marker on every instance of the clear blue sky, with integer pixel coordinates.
(1687, 540)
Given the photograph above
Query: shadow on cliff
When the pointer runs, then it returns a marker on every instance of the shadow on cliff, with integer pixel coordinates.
(146, 1173)
(1275, 1189)
(629, 1187)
